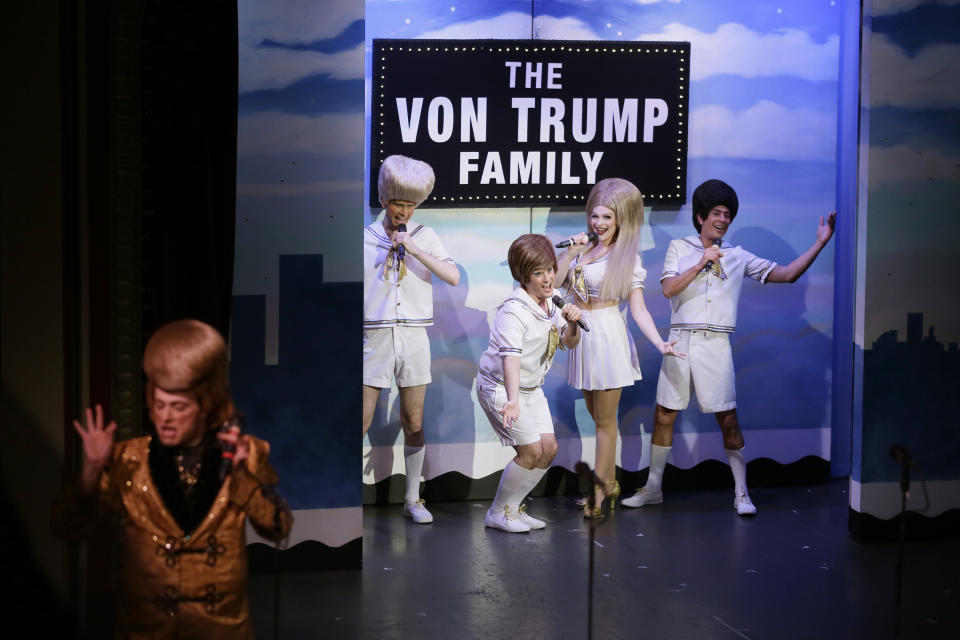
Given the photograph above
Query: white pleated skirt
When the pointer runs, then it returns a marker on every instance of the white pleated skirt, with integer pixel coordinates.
(606, 357)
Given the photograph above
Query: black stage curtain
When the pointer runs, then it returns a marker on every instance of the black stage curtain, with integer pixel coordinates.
(189, 142)
(149, 103)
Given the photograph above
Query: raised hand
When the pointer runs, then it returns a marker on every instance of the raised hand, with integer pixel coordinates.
(97, 444)
(824, 231)
(579, 243)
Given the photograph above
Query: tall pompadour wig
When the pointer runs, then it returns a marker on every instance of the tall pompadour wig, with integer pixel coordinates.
(711, 194)
(403, 178)
(625, 200)
(528, 253)
(190, 356)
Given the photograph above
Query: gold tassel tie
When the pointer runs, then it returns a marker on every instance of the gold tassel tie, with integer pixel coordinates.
(579, 282)
(394, 262)
(553, 341)
(718, 271)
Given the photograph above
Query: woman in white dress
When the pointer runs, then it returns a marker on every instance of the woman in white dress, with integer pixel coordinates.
(599, 273)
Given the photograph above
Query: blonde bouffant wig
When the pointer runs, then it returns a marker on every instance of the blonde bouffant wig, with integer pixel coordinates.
(190, 356)
(403, 178)
(624, 199)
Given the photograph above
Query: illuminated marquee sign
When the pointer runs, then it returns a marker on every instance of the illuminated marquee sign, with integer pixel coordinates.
(532, 122)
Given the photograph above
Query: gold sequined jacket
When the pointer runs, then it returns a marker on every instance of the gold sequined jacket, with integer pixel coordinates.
(173, 583)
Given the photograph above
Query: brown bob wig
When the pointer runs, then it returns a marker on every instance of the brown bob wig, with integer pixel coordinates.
(528, 253)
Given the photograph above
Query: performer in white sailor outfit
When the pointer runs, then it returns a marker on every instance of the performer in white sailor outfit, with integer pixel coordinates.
(599, 273)
(398, 269)
(526, 332)
(703, 283)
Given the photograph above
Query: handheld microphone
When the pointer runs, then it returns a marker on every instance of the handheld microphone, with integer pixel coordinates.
(401, 250)
(558, 301)
(709, 264)
(592, 237)
(233, 425)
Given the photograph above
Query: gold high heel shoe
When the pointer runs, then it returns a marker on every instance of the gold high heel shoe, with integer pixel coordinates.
(610, 494)
(613, 493)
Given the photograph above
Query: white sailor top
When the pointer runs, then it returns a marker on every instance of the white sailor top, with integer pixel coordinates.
(398, 293)
(586, 280)
(522, 329)
(710, 301)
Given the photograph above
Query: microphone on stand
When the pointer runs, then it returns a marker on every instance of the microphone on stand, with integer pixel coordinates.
(592, 237)
(899, 453)
(709, 264)
(558, 301)
(401, 250)
(233, 425)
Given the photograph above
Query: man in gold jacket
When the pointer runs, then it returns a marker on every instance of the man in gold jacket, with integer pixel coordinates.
(183, 569)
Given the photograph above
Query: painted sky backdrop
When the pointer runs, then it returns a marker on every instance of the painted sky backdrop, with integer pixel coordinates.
(297, 267)
(300, 143)
(912, 144)
(914, 166)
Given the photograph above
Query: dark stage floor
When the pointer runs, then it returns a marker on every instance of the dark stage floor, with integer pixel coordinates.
(690, 568)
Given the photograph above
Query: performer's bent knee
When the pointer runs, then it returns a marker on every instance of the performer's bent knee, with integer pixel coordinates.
(529, 455)
(549, 452)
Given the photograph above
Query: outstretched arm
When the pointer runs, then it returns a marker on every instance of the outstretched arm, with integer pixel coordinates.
(801, 263)
(638, 309)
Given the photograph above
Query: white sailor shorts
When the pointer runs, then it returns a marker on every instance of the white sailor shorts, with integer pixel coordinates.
(396, 353)
(534, 419)
(708, 368)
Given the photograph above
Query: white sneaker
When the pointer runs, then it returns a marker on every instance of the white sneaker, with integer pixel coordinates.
(642, 497)
(505, 521)
(528, 519)
(417, 511)
(744, 506)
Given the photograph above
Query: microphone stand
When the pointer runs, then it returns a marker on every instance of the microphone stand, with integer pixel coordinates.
(592, 525)
(904, 492)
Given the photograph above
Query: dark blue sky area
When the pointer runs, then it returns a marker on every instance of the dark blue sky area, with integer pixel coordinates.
(926, 128)
(346, 40)
(925, 25)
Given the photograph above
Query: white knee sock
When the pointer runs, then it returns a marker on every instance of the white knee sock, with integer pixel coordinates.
(413, 459)
(515, 483)
(658, 461)
(739, 470)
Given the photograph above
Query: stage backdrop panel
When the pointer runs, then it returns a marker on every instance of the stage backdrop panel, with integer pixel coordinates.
(297, 288)
(907, 308)
(763, 113)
